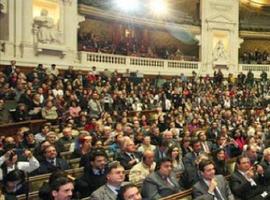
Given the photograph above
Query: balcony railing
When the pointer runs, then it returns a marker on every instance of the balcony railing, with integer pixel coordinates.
(143, 65)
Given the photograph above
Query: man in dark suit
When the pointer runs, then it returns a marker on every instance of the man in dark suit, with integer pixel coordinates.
(247, 181)
(211, 186)
(10, 69)
(115, 179)
(160, 183)
(94, 175)
(129, 157)
(51, 161)
(265, 163)
(205, 144)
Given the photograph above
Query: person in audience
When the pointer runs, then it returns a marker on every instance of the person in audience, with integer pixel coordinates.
(9, 161)
(161, 150)
(185, 145)
(129, 157)
(219, 158)
(84, 150)
(51, 137)
(95, 106)
(67, 140)
(174, 154)
(14, 183)
(29, 141)
(40, 137)
(94, 175)
(129, 192)
(62, 188)
(4, 113)
(211, 186)
(146, 145)
(141, 170)
(115, 179)
(228, 144)
(35, 107)
(51, 162)
(49, 112)
(160, 183)
(265, 163)
(20, 113)
(252, 154)
(191, 173)
(247, 181)
(45, 190)
(190, 157)
(205, 144)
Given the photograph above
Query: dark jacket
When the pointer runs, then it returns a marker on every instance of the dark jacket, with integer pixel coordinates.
(90, 181)
(241, 188)
(47, 167)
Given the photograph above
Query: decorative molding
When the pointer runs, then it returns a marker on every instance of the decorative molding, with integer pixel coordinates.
(221, 5)
(254, 35)
(50, 47)
(67, 2)
(220, 19)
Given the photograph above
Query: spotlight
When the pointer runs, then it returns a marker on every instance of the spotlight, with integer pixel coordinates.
(127, 5)
(158, 7)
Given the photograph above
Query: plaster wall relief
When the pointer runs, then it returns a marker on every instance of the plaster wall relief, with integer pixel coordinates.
(220, 37)
(48, 26)
(4, 18)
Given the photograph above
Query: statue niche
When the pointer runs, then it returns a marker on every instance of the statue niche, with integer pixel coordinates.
(45, 29)
(219, 53)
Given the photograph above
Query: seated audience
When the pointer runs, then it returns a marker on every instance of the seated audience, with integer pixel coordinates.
(61, 188)
(51, 162)
(247, 182)
(129, 157)
(14, 184)
(9, 162)
(174, 154)
(160, 183)
(94, 175)
(115, 179)
(142, 169)
(129, 192)
(219, 159)
(211, 186)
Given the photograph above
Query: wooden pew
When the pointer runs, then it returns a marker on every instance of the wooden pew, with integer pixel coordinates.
(11, 129)
(184, 195)
(35, 182)
(34, 196)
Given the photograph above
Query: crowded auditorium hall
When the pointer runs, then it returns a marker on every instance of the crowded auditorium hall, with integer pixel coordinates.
(134, 99)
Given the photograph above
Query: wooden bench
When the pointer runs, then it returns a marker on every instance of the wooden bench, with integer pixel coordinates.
(11, 129)
(35, 182)
(184, 195)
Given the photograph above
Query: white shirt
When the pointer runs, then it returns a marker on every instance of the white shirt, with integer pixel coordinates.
(114, 189)
(29, 166)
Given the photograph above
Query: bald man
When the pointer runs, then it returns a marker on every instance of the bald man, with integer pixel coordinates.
(142, 169)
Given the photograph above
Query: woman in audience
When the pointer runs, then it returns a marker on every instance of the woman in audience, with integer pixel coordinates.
(49, 112)
(185, 145)
(220, 162)
(175, 155)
